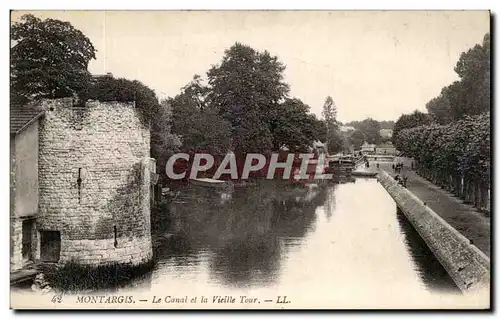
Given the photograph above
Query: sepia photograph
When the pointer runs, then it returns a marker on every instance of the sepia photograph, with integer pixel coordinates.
(250, 159)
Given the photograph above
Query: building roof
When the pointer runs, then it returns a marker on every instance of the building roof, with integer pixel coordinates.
(22, 117)
(387, 145)
(346, 128)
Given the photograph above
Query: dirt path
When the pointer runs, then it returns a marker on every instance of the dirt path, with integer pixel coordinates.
(464, 218)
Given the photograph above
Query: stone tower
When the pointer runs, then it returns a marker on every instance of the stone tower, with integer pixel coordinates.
(94, 176)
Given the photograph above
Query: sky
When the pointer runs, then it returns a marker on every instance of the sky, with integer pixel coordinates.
(377, 64)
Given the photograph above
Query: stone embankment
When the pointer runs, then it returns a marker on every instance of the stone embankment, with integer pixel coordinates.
(465, 263)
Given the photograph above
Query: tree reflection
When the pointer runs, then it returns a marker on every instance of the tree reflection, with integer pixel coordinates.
(431, 271)
(243, 233)
(247, 260)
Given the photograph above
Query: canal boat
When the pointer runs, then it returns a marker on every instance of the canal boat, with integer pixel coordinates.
(212, 183)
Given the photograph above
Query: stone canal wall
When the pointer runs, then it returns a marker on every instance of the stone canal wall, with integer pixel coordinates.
(94, 175)
(465, 263)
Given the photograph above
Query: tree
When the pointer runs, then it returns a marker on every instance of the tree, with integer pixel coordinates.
(320, 129)
(49, 59)
(371, 130)
(108, 88)
(387, 125)
(246, 88)
(330, 112)
(357, 138)
(439, 109)
(296, 128)
(163, 142)
(456, 156)
(471, 94)
(199, 126)
(335, 140)
(407, 121)
(473, 67)
(196, 93)
(251, 134)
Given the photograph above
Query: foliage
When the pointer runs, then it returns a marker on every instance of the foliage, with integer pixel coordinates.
(336, 141)
(108, 88)
(49, 59)
(246, 80)
(330, 113)
(407, 121)
(75, 277)
(356, 139)
(471, 94)
(247, 88)
(163, 142)
(244, 107)
(371, 130)
(383, 124)
(462, 146)
(199, 127)
(295, 127)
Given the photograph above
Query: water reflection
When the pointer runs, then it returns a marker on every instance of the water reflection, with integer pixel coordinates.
(347, 236)
(247, 261)
(244, 234)
(346, 245)
(431, 271)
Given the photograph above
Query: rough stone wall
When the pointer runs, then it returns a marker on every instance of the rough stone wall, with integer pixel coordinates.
(106, 218)
(466, 264)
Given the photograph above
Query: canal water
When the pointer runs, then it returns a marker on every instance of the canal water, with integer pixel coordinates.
(341, 246)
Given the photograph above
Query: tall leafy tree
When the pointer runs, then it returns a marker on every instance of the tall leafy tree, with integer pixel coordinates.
(371, 130)
(163, 142)
(246, 88)
(330, 112)
(296, 128)
(471, 94)
(407, 121)
(199, 126)
(335, 140)
(49, 59)
(357, 138)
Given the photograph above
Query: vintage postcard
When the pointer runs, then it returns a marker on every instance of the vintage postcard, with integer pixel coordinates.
(250, 160)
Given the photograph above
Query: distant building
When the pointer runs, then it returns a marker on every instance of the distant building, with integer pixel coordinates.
(98, 76)
(386, 149)
(367, 148)
(386, 133)
(346, 129)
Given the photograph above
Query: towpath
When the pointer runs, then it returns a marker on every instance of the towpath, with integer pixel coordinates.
(463, 217)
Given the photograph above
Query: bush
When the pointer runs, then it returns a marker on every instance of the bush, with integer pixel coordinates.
(73, 277)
